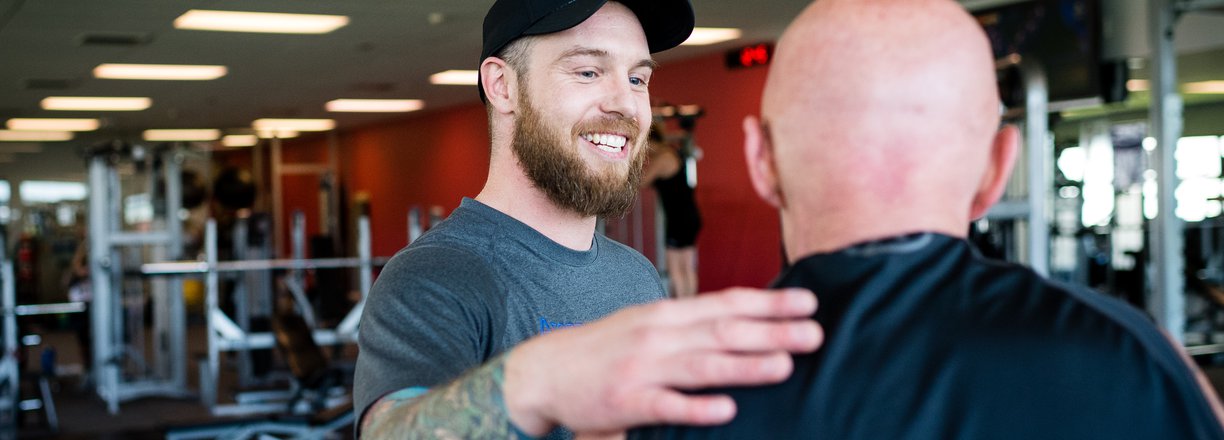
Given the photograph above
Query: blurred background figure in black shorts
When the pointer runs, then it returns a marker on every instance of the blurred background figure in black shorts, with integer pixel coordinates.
(667, 170)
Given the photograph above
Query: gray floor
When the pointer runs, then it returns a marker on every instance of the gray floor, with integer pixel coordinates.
(83, 415)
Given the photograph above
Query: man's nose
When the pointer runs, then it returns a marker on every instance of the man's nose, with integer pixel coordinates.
(619, 98)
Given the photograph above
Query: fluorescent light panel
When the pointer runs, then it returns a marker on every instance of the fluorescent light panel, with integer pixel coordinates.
(262, 22)
(95, 103)
(171, 72)
(34, 136)
(1198, 87)
(1204, 87)
(203, 134)
(703, 36)
(240, 140)
(375, 105)
(53, 124)
(454, 78)
(279, 134)
(294, 124)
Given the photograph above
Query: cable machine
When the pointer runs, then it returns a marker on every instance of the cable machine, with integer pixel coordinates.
(119, 370)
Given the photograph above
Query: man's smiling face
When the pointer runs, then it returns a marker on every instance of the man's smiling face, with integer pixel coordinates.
(584, 110)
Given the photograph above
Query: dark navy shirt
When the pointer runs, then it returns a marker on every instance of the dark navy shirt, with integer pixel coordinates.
(925, 339)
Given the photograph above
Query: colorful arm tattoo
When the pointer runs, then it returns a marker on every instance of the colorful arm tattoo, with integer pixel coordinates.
(470, 407)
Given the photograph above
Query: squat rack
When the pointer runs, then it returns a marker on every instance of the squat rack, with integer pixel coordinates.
(224, 334)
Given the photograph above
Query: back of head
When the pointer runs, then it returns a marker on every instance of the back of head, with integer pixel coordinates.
(882, 111)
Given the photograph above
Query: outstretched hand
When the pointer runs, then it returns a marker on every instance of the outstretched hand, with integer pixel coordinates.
(631, 368)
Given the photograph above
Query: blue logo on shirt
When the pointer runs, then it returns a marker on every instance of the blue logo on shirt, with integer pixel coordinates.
(546, 326)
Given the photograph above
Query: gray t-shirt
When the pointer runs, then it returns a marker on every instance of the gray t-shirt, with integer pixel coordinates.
(478, 284)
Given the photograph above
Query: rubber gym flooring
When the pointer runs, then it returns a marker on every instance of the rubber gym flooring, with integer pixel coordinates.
(82, 415)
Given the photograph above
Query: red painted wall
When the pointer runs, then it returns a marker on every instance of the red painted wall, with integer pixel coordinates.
(739, 242)
(300, 192)
(439, 157)
(434, 159)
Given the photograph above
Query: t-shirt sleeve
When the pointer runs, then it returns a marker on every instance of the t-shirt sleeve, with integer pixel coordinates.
(430, 316)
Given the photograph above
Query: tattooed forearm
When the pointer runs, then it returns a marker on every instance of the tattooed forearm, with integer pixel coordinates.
(470, 407)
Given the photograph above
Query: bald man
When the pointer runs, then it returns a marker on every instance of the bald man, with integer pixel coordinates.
(879, 141)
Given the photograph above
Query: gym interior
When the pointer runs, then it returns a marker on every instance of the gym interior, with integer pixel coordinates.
(191, 254)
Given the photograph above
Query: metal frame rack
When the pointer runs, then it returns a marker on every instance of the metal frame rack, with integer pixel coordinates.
(224, 334)
(1028, 192)
(118, 341)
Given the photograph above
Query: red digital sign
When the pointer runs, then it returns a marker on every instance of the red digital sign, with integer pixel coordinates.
(750, 56)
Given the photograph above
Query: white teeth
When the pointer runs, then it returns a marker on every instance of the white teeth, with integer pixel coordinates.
(608, 142)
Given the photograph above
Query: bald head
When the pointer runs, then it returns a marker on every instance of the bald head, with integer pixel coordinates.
(882, 111)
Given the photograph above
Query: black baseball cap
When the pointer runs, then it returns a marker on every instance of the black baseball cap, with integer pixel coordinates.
(667, 23)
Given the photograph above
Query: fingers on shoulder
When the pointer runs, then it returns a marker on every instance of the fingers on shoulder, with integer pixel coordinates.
(666, 406)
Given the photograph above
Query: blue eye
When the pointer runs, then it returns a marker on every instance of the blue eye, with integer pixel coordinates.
(588, 74)
(637, 81)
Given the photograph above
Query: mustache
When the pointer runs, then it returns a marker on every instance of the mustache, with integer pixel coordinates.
(611, 124)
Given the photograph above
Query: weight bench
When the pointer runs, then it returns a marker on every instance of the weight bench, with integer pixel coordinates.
(313, 377)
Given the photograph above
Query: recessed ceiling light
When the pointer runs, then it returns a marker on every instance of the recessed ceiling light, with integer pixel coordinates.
(702, 36)
(34, 136)
(240, 140)
(455, 78)
(202, 134)
(375, 105)
(176, 72)
(53, 124)
(294, 124)
(93, 103)
(264, 22)
(1204, 87)
(278, 134)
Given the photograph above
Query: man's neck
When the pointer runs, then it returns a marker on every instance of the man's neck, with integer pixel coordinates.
(822, 232)
(512, 193)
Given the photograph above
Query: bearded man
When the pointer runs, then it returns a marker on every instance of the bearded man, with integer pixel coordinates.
(566, 88)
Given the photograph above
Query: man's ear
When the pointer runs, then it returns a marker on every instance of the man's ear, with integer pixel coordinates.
(759, 156)
(1002, 157)
(500, 84)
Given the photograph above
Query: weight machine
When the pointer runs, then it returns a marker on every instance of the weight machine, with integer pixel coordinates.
(119, 370)
(226, 335)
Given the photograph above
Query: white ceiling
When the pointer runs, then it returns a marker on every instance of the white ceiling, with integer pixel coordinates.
(388, 50)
